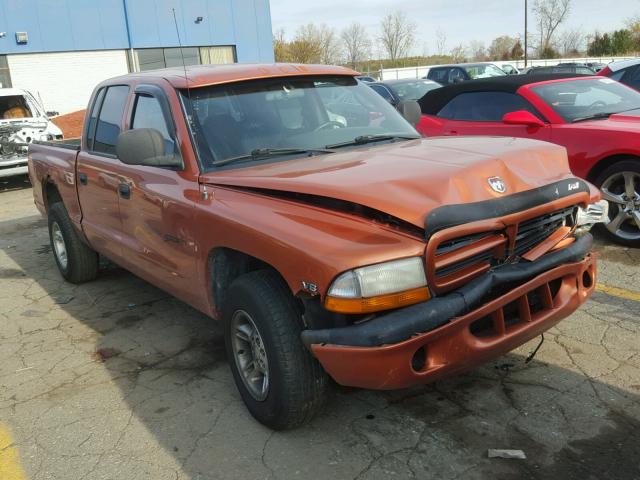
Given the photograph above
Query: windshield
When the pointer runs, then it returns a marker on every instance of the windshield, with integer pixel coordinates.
(584, 99)
(14, 106)
(413, 90)
(303, 113)
(484, 71)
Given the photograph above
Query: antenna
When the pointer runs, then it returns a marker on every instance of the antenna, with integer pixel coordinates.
(184, 65)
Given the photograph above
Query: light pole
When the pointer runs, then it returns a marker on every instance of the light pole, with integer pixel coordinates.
(526, 10)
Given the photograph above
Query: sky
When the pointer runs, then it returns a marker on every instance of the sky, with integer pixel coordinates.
(462, 21)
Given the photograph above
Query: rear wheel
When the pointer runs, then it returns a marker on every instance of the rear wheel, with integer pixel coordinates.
(279, 380)
(620, 186)
(76, 261)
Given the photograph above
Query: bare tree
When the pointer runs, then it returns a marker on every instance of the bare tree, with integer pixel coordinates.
(397, 34)
(572, 42)
(329, 45)
(441, 41)
(458, 54)
(550, 14)
(357, 45)
(477, 51)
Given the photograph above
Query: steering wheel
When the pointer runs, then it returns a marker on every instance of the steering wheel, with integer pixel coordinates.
(597, 104)
(330, 123)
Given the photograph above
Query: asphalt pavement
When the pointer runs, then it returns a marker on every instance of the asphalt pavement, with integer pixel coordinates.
(115, 379)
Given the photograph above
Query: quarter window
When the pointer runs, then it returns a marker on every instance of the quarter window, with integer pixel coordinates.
(484, 106)
(109, 119)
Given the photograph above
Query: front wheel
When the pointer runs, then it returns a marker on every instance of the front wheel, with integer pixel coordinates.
(280, 382)
(620, 186)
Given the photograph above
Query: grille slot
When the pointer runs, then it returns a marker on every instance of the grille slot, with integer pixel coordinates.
(532, 232)
(464, 253)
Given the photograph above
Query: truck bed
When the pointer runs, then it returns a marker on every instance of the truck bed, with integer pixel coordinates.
(53, 163)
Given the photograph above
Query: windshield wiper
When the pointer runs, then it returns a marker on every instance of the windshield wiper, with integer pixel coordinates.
(597, 116)
(364, 139)
(259, 153)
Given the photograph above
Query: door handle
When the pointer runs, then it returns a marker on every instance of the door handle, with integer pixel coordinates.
(124, 190)
(451, 132)
(83, 178)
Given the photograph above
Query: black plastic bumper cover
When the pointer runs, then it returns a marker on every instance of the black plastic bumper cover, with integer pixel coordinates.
(402, 324)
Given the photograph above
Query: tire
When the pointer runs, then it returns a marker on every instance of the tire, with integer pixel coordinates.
(624, 214)
(81, 264)
(296, 383)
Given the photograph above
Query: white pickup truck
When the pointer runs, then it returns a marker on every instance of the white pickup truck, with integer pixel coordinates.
(22, 120)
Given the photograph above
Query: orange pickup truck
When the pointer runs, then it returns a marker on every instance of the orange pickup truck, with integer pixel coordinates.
(295, 205)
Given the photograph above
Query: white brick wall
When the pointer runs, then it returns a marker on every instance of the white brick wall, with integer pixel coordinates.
(65, 80)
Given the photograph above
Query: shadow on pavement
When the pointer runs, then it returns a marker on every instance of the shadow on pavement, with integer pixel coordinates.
(175, 391)
(17, 182)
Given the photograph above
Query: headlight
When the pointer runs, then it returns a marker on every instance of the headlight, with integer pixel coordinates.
(594, 213)
(379, 287)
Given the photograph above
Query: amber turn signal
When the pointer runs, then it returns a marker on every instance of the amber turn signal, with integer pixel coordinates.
(377, 304)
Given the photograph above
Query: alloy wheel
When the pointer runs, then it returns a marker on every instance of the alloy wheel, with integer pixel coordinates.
(250, 355)
(59, 246)
(622, 191)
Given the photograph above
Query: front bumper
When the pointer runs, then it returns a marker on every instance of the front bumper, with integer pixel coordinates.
(456, 332)
(14, 166)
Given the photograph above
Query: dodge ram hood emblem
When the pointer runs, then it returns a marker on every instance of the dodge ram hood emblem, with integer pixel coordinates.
(497, 184)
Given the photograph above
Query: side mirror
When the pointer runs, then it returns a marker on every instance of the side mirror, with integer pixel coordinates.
(522, 117)
(411, 111)
(52, 113)
(145, 146)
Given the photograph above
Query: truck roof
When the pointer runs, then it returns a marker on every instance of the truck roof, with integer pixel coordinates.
(203, 75)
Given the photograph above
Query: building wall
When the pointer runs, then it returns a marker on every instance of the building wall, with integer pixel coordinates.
(65, 80)
(67, 25)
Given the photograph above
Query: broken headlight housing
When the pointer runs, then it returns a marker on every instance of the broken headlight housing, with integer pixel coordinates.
(586, 218)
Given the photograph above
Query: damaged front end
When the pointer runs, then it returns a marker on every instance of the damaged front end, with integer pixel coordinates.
(499, 274)
(15, 137)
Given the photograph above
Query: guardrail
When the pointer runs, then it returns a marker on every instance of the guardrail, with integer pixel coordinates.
(419, 72)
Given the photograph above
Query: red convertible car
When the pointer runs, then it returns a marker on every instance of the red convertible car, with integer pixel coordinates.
(596, 118)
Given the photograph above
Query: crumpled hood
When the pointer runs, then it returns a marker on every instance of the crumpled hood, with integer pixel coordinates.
(409, 179)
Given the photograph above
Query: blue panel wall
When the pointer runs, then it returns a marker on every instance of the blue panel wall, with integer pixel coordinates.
(62, 25)
(65, 25)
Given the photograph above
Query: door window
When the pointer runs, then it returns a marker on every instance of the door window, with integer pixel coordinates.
(148, 114)
(484, 106)
(456, 75)
(383, 92)
(632, 80)
(109, 119)
(438, 74)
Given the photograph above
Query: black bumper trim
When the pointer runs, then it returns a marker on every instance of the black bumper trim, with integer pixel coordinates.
(402, 324)
(449, 216)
